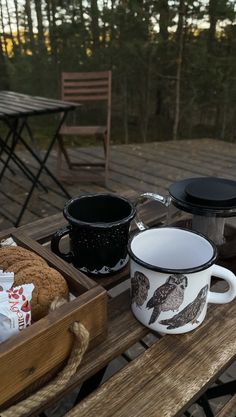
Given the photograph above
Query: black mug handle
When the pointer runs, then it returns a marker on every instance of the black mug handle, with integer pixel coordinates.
(55, 241)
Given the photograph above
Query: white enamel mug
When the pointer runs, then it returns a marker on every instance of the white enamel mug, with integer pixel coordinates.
(171, 270)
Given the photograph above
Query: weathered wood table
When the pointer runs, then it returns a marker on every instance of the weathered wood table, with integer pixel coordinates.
(169, 374)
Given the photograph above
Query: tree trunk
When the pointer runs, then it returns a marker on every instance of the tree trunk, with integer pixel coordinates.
(81, 9)
(164, 19)
(146, 99)
(48, 11)
(4, 83)
(4, 37)
(83, 31)
(51, 10)
(30, 26)
(180, 36)
(41, 40)
(24, 24)
(213, 21)
(112, 31)
(162, 105)
(17, 25)
(73, 13)
(104, 28)
(226, 84)
(10, 27)
(94, 13)
(125, 109)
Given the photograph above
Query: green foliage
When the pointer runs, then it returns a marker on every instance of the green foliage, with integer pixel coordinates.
(139, 40)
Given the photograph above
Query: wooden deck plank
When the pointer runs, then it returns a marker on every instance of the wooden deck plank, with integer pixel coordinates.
(229, 410)
(140, 388)
(181, 160)
(161, 169)
(135, 167)
(140, 167)
(206, 155)
(118, 170)
(77, 185)
(139, 183)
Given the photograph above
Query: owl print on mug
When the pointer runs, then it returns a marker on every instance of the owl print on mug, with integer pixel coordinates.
(190, 313)
(139, 288)
(168, 297)
(171, 270)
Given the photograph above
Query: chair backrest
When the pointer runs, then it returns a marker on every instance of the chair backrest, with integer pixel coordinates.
(86, 86)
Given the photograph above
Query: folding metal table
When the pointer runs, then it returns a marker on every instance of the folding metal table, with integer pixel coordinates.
(15, 111)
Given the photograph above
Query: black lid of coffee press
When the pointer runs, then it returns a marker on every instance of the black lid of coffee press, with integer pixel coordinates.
(205, 196)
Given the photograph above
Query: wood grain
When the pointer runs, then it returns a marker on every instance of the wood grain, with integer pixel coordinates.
(4, 234)
(123, 331)
(165, 380)
(76, 279)
(42, 229)
(158, 164)
(26, 357)
(84, 75)
(171, 374)
(20, 355)
(229, 410)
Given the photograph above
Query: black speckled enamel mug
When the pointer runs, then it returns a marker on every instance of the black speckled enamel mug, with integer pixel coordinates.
(98, 230)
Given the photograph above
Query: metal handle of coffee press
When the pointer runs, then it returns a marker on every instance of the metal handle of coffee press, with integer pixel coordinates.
(142, 199)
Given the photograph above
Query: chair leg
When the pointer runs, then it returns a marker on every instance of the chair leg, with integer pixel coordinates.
(104, 137)
(62, 149)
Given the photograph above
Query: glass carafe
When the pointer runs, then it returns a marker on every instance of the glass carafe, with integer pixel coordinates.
(206, 205)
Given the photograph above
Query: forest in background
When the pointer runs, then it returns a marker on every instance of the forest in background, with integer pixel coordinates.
(173, 61)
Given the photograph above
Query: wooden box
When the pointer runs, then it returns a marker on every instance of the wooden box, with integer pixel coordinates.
(30, 358)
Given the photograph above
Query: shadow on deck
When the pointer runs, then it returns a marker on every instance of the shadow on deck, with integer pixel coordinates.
(138, 167)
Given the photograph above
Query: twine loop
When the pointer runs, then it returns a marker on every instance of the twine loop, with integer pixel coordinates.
(80, 345)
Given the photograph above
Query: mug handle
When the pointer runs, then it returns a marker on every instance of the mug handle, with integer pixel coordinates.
(141, 199)
(55, 241)
(225, 297)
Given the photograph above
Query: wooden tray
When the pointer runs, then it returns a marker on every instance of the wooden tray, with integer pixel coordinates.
(30, 358)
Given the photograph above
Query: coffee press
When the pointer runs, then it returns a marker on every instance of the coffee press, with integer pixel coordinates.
(204, 204)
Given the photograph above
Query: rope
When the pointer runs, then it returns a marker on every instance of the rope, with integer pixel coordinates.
(51, 389)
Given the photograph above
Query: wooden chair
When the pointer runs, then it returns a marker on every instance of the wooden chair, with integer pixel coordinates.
(84, 88)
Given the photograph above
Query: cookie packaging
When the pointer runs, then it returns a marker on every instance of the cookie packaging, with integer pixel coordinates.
(15, 311)
(6, 280)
